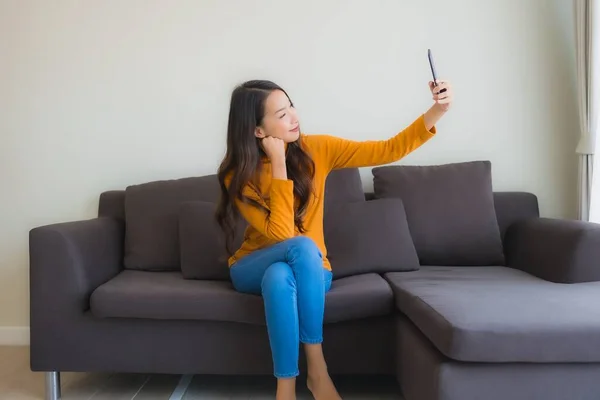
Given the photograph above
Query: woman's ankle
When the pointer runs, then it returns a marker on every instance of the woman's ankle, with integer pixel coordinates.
(286, 389)
(317, 367)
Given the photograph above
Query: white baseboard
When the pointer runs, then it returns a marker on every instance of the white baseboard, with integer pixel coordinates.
(14, 335)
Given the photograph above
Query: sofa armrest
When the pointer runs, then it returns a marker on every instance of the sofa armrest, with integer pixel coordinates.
(67, 262)
(557, 250)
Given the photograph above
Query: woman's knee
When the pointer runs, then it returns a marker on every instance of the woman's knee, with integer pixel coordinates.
(303, 245)
(278, 277)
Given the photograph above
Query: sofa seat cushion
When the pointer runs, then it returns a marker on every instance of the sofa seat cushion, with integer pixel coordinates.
(500, 314)
(358, 296)
(167, 295)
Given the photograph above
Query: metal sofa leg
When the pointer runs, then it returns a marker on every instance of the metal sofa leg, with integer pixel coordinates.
(53, 385)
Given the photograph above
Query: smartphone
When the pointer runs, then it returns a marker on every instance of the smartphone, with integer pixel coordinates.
(433, 72)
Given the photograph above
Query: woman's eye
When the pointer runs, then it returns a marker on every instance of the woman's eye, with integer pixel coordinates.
(282, 115)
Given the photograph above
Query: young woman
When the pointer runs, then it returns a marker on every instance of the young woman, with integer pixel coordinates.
(273, 176)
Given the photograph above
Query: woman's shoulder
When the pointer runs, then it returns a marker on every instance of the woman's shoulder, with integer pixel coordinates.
(316, 142)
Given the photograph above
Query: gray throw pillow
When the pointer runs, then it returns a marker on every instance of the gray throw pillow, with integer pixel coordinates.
(450, 211)
(369, 236)
(202, 242)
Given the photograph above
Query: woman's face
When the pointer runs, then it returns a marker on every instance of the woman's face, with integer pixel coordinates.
(280, 119)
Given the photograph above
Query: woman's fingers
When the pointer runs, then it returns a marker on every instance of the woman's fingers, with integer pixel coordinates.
(445, 100)
(440, 88)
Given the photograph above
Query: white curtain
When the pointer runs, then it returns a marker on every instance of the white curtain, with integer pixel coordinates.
(587, 37)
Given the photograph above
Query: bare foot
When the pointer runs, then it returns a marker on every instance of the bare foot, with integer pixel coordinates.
(322, 387)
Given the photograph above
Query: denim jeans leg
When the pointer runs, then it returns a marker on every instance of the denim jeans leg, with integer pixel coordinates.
(291, 278)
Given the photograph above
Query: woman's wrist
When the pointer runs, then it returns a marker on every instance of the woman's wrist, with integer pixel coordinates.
(433, 115)
(278, 169)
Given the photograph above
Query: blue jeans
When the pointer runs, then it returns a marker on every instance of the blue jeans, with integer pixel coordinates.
(292, 281)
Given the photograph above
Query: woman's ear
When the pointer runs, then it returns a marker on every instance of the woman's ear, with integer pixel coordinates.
(259, 133)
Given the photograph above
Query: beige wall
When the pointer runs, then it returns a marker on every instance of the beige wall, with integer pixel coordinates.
(99, 95)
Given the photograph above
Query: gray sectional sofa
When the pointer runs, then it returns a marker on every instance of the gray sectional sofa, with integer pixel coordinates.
(458, 291)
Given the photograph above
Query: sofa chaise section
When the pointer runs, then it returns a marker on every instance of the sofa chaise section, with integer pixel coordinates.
(527, 330)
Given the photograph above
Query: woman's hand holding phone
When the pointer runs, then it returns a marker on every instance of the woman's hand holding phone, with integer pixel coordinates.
(442, 94)
(440, 89)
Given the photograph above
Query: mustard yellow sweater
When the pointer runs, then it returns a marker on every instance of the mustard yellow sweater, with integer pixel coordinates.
(328, 153)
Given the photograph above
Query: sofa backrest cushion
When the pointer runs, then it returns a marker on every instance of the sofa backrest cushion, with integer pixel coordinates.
(343, 186)
(450, 211)
(512, 207)
(202, 242)
(151, 212)
(369, 236)
(112, 204)
(152, 217)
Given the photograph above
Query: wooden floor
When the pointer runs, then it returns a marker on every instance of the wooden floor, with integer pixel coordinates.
(17, 382)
